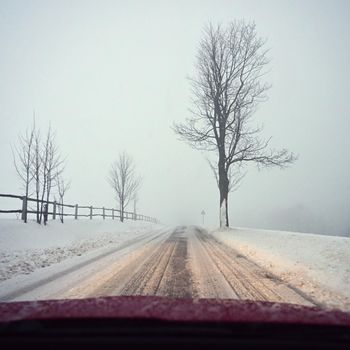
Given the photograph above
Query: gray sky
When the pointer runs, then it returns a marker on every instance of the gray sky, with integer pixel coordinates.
(111, 76)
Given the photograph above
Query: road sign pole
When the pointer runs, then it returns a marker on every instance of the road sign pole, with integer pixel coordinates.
(203, 213)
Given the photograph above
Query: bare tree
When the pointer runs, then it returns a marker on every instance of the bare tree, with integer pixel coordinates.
(36, 171)
(46, 166)
(23, 157)
(227, 88)
(124, 181)
(39, 161)
(62, 187)
(53, 165)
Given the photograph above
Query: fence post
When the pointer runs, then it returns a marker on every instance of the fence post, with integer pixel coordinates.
(103, 213)
(91, 212)
(24, 208)
(54, 210)
(46, 212)
(112, 214)
(76, 212)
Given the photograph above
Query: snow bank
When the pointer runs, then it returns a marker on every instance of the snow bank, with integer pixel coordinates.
(319, 265)
(27, 247)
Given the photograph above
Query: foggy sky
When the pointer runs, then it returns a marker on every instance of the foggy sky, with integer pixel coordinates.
(111, 76)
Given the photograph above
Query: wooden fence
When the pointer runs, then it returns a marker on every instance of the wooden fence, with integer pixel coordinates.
(57, 210)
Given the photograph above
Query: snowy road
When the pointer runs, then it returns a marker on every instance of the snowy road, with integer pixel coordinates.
(183, 262)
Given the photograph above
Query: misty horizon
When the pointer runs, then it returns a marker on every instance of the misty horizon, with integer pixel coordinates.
(112, 77)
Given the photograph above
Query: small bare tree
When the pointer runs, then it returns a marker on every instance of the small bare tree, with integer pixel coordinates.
(227, 88)
(23, 158)
(36, 171)
(62, 187)
(46, 166)
(53, 166)
(39, 162)
(124, 181)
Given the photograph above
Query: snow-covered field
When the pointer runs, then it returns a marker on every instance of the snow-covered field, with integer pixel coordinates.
(318, 265)
(25, 248)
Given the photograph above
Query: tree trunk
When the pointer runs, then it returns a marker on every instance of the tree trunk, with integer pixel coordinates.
(121, 210)
(37, 210)
(223, 189)
(27, 195)
(37, 192)
(62, 210)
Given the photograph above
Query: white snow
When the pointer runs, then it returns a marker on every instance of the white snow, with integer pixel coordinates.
(319, 265)
(25, 248)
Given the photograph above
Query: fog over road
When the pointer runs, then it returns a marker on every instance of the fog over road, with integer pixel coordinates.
(185, 262)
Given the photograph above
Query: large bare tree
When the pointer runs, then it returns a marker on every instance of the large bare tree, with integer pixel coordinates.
(227, 87)
(124, 181)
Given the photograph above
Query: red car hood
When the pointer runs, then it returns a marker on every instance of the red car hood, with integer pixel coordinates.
(149, 307)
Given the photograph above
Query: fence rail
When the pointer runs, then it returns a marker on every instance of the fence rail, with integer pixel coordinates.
(57, 210)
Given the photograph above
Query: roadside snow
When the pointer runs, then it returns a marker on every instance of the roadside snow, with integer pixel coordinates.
(318, 265)
(25, 248)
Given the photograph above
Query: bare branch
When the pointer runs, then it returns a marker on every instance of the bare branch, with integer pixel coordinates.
(22, 157)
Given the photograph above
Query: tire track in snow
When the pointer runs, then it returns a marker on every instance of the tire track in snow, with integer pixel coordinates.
(248, 280)
(162, 271)
(42, 282)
